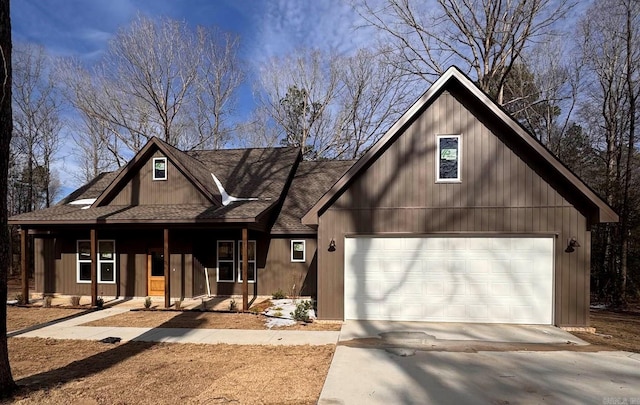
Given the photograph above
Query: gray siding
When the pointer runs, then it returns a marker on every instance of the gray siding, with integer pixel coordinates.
(499, 193)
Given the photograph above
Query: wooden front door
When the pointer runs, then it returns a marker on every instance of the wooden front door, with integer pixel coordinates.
(155, 272)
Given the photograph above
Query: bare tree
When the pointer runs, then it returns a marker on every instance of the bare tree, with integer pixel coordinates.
(158, 78)
(297, 92)
(7, 385)
(37, 124)
(485, 37)
(611, 57)
(260, 131)
(541, 92)
(331, 106)
(219, 77)
(373, 96)
(92, 149)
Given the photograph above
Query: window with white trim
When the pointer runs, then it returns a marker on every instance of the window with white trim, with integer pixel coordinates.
(83, 259)
(226, 261)
(251, 270)
(106, 261)
(298, 248)
(448, 158)
(160, 168)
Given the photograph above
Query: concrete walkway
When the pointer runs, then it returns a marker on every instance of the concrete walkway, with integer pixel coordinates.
(72, 329)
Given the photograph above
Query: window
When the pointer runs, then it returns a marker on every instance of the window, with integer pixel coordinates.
(84, 261)
(297, 251)
(160, 168)
(106, 261)
(251, 270)
(448, 158)
(226, 264)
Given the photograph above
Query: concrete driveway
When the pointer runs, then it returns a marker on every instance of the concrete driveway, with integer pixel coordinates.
(437, 363)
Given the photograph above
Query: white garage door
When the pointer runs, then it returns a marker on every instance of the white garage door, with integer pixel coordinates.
(457, 279)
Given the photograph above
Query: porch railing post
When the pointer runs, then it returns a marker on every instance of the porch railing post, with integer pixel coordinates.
(94, 267)
(245, 266)
(167, 278)
(24, 264)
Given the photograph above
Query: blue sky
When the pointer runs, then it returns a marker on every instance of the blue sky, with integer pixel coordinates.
(267, 28)
(82, 28)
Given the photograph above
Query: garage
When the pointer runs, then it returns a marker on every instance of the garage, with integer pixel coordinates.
(450, 279)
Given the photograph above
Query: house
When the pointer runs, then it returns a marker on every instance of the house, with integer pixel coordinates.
(455, 214)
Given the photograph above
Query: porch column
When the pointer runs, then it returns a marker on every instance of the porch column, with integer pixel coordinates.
(167, 275)
(245, 267)
(24, 264)
(94, 267)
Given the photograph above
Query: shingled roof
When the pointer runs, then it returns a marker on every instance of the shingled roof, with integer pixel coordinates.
(260, 173)
(311, 181)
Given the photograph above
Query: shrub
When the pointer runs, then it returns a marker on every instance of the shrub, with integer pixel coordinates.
(178, 304)
(75, 301)
(47, 301)
(233, 306)
(279, 295)
(147, 302)
(19, 298)
(277, 314)
(302, 311)
(99, 302)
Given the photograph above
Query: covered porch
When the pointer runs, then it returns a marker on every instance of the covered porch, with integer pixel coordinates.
(171, 262)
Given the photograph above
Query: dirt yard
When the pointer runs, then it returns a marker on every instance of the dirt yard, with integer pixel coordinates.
(64, 371)
(23, 317)
(204, 320)
(617, 330)
(52, 371)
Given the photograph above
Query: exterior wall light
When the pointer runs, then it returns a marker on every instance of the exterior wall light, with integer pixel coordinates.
(332, 245)
(572, 243)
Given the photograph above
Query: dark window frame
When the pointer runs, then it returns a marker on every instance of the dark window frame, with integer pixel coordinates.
(458, 159)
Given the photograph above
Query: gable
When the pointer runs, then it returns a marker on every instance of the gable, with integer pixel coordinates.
(448, 119)
(493, 175)
(141, 189)
(140, 170)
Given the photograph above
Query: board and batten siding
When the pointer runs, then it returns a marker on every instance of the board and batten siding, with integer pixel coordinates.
(131, 264)
(499, 193)
(280, 273)
(141, 189)
(275, 271)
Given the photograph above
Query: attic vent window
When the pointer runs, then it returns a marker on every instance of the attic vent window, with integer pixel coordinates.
(448, 158)
(160, 168)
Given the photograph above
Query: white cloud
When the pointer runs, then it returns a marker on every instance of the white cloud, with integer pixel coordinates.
(285, 25)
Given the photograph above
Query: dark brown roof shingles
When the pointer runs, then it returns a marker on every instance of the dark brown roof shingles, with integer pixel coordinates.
(261, 173)
(311, 181)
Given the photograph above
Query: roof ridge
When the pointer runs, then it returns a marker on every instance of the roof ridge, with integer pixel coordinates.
(241, 149)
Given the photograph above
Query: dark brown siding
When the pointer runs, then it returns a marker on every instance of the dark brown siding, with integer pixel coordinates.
(499, 193)
(282, 274)
(142, 189)
(44, 257)
(192, 251)
(275, 270)
(55, 263)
